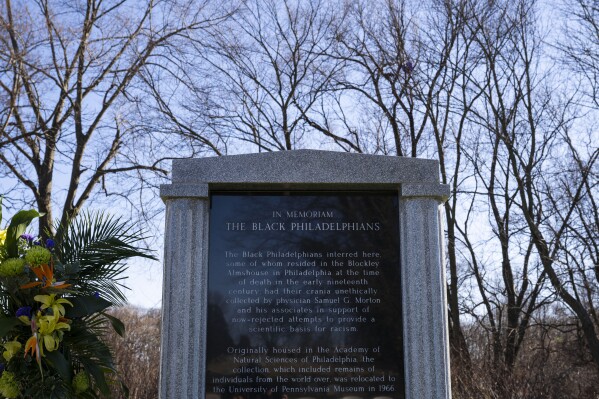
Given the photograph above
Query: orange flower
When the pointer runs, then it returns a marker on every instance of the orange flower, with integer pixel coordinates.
(33, 345)
(45, 276)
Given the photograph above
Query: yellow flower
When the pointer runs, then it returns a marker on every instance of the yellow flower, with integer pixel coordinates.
(50, 301)
(12, 347)
(48, 329)
(2, 236)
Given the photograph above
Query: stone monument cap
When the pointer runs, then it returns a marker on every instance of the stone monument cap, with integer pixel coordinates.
(306, 169)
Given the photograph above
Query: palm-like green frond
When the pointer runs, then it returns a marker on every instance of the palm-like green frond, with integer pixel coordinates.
(92, 353)
(93, 248)
(50, 386)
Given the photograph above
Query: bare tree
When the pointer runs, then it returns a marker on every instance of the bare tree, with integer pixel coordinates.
(382, 57)
(269, 71)
(528, 130)
(565, 238)
(577, 209)
(67, 66)
(581, 50)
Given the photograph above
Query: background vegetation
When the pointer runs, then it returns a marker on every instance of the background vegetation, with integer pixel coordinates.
(96, 96)
(137, 354)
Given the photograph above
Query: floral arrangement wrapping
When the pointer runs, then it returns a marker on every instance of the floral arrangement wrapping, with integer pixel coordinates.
(54, 294)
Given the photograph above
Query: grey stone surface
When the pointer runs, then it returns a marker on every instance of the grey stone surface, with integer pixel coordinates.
(438, 191)
(426, 360)
(184, 293)
(305, 166)
(426, 350)
(183, 191)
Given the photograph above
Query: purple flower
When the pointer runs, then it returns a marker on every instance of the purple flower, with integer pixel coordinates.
(2, 367)
(50, 243)
(24, 311)
(28, 237)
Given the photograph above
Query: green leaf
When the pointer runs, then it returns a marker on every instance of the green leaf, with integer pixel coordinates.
(86, 305)
(118, 325)
(102, 245)
(18, 224)
(72, 268)
(98, 374)
(60, 364)
(7, 324)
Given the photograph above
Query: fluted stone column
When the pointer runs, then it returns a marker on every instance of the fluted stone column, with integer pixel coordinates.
(184, 292)
(426, 351)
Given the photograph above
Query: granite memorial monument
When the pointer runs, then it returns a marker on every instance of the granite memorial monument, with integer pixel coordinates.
(304, 274)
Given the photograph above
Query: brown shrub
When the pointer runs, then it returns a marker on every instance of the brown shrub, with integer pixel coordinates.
(553, 363)
(137, 354)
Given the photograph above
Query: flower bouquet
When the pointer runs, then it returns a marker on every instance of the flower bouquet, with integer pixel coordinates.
(54, 294)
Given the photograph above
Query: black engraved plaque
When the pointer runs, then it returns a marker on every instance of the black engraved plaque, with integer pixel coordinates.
(304, 297)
